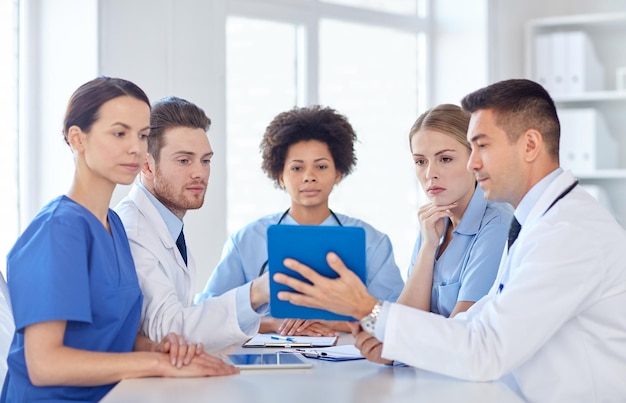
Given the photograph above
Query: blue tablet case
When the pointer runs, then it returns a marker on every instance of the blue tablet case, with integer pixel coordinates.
(309, 244)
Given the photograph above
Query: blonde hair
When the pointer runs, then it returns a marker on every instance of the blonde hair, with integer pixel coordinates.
(448, 119)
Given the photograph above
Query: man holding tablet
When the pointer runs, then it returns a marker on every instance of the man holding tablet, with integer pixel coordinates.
(286, 241)
(555, 318)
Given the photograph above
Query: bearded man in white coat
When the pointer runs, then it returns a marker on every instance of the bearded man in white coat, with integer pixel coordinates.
(555, 318)
(173, 180)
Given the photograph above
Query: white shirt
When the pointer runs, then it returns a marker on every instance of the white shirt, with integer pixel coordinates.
(168, 284)
(559, 324)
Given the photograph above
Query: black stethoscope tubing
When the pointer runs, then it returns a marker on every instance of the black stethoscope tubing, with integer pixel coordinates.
(282, 217)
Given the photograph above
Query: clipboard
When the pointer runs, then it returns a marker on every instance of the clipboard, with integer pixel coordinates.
(309, 244)
(275, 340)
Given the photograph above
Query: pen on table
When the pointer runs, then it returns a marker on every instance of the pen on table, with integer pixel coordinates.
(291, 339)
(311, 353)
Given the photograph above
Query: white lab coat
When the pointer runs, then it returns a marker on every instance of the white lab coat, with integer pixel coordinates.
(559, 323)
(167, 284)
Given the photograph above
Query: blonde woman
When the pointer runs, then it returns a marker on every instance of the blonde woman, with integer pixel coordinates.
(458, 250)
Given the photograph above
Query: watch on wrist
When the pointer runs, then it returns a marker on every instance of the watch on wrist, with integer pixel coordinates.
(368, 323)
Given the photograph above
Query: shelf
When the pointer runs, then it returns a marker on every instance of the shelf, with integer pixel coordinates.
(604, 34)
(580, 20)
(602, 174)
(592, 96)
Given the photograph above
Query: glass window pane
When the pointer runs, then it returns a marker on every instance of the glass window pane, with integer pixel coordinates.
(261, 82)
(406, 7)
(8, 118)
(376, 86)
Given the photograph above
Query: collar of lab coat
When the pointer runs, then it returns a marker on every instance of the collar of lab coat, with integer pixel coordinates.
(558, 185)
(145, 205)
(173, 223)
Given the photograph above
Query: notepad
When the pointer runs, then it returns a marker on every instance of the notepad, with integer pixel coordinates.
(275, 340)
(309, 244)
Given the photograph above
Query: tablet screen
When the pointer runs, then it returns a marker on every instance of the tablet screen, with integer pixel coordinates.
(269, 361)
(310, 245)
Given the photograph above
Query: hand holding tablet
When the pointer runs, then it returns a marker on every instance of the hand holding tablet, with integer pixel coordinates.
(310, 245)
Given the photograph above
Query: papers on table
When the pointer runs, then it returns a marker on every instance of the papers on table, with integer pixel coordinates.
(335, 353)
(275, 340)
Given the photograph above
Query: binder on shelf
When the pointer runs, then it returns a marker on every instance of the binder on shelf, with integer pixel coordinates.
(542, 63)
(558, 83)
(586, 144)
(584, 70)
(565, 62)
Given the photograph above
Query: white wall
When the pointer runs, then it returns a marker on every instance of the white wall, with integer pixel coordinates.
(459, 49)
(57, 57)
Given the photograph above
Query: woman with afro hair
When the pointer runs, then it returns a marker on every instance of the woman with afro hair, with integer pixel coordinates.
(306, 152)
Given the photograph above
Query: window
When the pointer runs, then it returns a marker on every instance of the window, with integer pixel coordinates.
(9, 125)
(408, 7)
(375, 85)
(337, 55)
(254, 95)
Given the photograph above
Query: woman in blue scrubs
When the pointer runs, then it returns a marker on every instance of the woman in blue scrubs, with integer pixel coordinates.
(458, 250)
(75, 295)
(306, 152)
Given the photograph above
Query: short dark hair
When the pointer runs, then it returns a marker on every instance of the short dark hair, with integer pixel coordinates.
(173, 112)
(308, 123)
(84, 104)
(519, 105)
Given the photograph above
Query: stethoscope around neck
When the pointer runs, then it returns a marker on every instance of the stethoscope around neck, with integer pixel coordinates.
(280, 220)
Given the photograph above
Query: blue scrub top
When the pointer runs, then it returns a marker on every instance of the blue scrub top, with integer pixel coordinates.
(245, 252)
(67, 266)
(467, 268)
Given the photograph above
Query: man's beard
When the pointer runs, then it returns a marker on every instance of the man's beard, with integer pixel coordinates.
(176, 201)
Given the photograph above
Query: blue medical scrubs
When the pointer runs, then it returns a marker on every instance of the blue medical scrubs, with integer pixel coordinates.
(245, 252)
(67, 266)
(466, 270)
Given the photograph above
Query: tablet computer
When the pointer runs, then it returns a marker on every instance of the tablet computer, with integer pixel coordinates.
(309, 244)
(278, 360)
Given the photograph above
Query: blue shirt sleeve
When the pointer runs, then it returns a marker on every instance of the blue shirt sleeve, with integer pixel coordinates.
(383, 276)
(49, 263)
(228, 274)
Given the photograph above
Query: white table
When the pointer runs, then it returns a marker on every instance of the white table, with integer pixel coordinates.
(325, 382)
